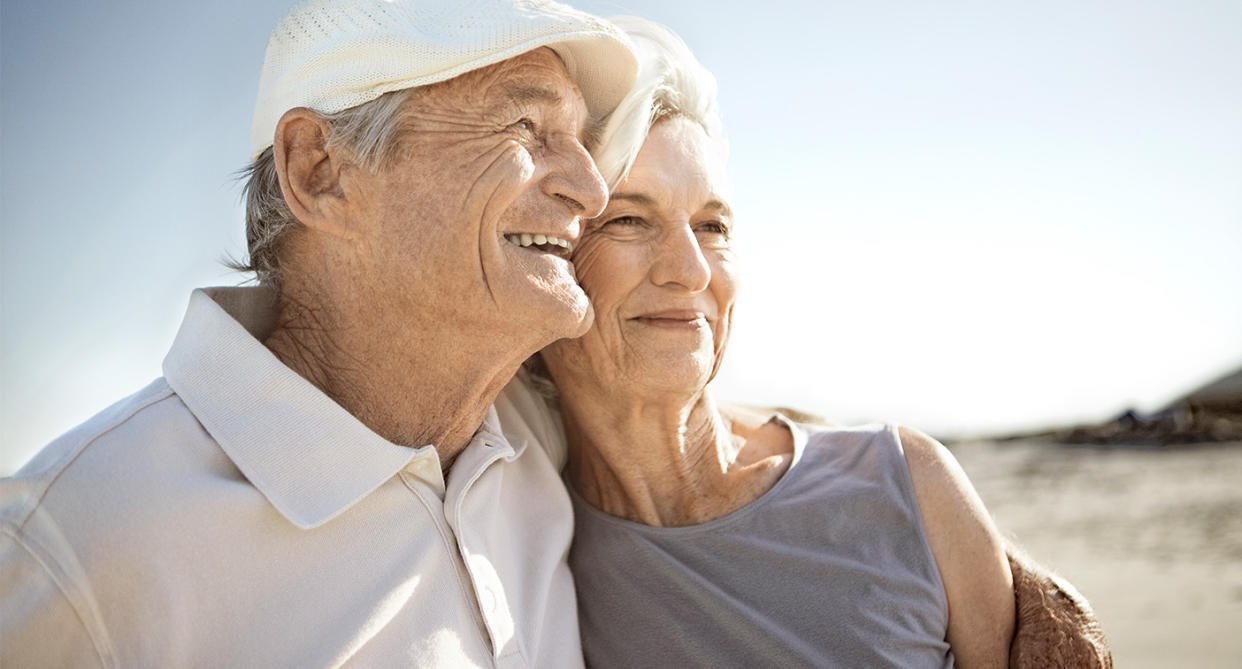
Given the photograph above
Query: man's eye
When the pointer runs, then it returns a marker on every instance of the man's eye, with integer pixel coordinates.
(525, 124)
(713, 227)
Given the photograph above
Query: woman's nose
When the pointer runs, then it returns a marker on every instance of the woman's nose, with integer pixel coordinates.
(680, 261)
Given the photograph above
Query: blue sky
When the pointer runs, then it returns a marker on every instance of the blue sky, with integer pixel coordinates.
(965, 216)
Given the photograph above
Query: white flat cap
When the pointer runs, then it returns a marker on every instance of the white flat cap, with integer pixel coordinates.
(330, 55)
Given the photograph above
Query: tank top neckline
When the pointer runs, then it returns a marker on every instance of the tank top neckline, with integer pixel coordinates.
(799, 447)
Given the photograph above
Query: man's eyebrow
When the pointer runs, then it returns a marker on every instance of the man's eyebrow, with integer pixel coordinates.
(528, 94)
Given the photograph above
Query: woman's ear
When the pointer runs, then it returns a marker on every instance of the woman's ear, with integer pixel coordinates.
(309, 173)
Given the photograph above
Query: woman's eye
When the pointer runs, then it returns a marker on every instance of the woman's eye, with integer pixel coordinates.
(624, 221)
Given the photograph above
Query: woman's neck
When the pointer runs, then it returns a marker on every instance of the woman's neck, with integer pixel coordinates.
(668, 464)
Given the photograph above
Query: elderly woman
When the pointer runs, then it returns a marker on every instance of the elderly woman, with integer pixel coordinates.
(709, 540)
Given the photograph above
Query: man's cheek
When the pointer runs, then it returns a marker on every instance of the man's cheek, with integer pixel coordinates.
(499, 188)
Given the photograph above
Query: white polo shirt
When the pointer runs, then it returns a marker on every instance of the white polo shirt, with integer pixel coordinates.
(231, 515)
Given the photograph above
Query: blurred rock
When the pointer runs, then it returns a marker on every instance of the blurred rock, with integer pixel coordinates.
(1212, 413)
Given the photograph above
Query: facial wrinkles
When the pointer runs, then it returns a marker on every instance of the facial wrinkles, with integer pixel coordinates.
(540, 93)
(489, 197)
(592, 252)
(699, 160)
(675, 250)
(470, 118)
(681, 191)
(609, 269)
(479, 107)
(478, 151)
(490, 172)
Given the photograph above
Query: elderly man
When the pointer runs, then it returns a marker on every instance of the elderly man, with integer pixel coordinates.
(319, 477)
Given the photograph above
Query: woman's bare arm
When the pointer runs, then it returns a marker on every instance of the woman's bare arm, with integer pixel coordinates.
(969, 552)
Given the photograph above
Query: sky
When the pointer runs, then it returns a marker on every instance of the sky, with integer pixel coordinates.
(970, 217)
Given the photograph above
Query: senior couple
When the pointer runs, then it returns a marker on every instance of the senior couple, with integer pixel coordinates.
(333, 471)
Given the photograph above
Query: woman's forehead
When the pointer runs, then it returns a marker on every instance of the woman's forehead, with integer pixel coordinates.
(678, 160)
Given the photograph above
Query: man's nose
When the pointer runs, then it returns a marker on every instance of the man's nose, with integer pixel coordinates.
(575, 180)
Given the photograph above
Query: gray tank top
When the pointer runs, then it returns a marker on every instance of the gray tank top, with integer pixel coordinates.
(829, 568)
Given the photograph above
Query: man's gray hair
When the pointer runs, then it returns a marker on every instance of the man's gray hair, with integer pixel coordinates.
(671, 83)
(370, 133)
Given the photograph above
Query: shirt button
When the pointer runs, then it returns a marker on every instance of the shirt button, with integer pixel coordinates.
(488, 599)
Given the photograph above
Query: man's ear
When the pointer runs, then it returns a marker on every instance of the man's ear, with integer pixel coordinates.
(310, 174)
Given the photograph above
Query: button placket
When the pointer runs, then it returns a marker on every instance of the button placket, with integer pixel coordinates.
(492, 602)
(477, 554)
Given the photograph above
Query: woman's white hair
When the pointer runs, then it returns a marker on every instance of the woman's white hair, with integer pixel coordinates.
(671, 83)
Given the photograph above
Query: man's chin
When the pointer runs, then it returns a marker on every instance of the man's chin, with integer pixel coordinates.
(578, 314)
(545, 295)
(585, 322)
(560, 312)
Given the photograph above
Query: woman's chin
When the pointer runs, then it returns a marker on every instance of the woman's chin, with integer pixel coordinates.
(688, 374)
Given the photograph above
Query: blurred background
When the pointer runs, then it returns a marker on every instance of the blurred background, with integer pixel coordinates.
(985, 219)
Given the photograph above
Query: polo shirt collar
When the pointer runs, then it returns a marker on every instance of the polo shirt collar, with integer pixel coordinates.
(305, 453)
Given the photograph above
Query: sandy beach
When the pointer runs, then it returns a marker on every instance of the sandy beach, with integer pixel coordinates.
(1152, 536)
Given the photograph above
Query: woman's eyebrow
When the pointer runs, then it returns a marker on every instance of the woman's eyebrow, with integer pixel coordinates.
(645, 200)
(720, 206)
(636, 198)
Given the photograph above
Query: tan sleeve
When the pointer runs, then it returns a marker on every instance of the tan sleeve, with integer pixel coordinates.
(39, 625)
(1055, 624)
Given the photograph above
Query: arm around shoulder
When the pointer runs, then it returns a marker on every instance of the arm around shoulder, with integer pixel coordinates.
(1056, 625)
(969, 553)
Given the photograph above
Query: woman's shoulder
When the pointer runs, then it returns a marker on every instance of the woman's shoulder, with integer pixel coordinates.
(872, 445)
(968, 550)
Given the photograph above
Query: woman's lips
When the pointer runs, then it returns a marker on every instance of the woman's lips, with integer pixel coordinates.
(676, 319)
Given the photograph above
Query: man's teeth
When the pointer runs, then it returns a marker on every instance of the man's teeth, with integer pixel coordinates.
(525, 239)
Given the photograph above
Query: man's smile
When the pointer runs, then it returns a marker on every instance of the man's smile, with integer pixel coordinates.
(561, 248)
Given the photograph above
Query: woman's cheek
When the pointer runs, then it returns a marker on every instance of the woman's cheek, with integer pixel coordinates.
(601, 267)
(584, 264)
